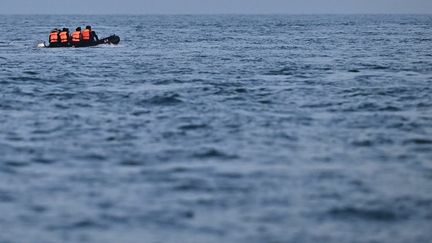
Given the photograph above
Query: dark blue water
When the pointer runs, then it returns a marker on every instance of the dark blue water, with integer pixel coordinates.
(218, 129)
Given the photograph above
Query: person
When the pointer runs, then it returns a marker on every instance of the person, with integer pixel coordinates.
(54, 38)
(89, 36)
(64, 37)
(76, 37)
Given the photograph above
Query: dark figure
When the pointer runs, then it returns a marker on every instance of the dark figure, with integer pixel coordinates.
(65, 39)
(89, 36)
(76, 37)
(54, 38)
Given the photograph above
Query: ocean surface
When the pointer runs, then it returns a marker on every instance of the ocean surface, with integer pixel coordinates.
(224, 128)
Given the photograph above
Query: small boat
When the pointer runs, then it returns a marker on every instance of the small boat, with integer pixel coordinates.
(110, 40)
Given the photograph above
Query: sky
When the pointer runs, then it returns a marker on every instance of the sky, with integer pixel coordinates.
(213, 6)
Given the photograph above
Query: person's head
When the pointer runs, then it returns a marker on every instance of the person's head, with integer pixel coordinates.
(54, 30)
(64, 29)
(78, 29)
(88, 27)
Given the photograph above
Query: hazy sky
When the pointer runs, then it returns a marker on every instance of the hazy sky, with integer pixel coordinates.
(213, 6)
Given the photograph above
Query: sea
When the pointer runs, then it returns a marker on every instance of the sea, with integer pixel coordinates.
(217, 128)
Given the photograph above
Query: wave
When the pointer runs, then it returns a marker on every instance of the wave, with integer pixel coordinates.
(212, 153)
(350, 213)
(163, 100)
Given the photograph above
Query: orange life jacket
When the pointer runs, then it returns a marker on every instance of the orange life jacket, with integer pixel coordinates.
(64, 38)
(54, 37)
(76, 36)
(86, 35)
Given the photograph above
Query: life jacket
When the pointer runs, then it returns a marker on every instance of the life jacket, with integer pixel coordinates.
(76, 36)
(64, 38)
(54, 37)
(86, 34)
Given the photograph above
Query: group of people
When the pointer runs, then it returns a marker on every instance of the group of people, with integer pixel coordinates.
(62, 38)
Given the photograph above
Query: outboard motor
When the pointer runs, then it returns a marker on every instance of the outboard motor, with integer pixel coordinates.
(114, 39)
